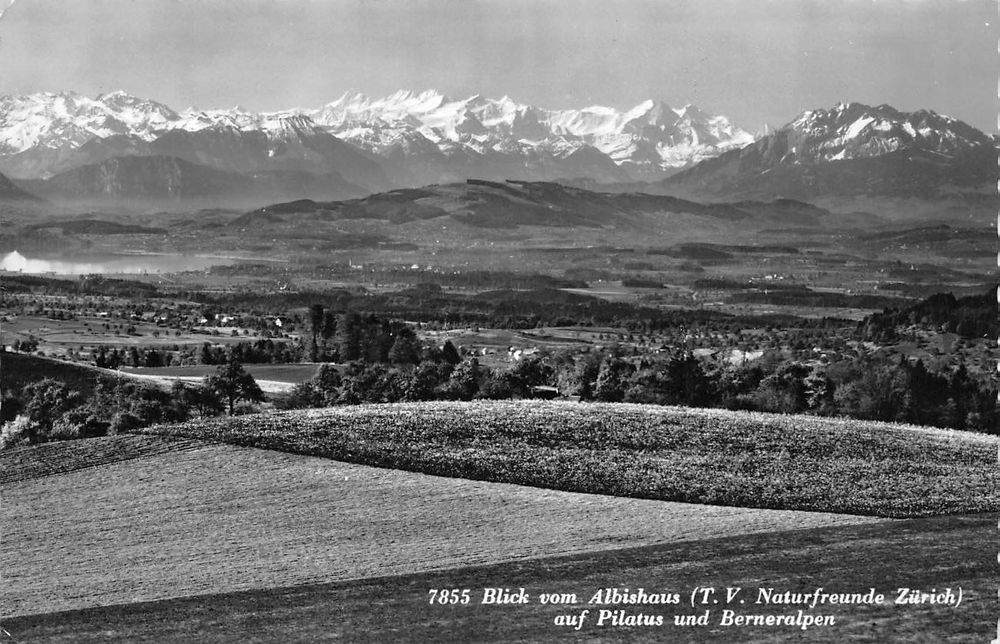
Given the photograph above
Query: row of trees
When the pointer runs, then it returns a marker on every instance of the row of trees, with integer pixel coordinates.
(865, 387)
(264, 350)
(361, 382)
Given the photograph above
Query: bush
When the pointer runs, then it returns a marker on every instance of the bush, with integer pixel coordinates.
(15, 432)
(124, 422)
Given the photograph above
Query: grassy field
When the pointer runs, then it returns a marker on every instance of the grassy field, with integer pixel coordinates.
(59, 335)
(920, 553)
(673, 454)
(193, 520)
(272, 378)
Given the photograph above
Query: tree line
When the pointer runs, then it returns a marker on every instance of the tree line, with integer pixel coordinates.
(868, 387)
(50, 409)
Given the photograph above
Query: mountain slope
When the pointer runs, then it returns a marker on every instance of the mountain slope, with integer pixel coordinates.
(852, 149)
(9, 191)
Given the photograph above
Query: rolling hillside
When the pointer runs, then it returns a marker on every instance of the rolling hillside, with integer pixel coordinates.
(212, 518)
(20, 369)
(160, 538)
(705, 456)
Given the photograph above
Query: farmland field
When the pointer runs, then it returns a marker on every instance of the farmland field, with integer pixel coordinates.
(30, 462)
(166, 537)
(925, 553)
(666, 453)
(223, 518)
(272, 378)
(291, 373)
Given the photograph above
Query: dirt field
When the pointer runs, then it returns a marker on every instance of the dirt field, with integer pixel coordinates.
(220, 518)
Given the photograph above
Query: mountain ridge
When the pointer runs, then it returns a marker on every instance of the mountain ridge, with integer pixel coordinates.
(850, 150)
(45, 133)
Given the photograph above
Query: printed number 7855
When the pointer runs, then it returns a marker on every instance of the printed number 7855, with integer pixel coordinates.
(452, 596)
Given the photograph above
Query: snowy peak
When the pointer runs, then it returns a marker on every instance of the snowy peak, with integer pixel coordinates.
(68, 120)
(139, 109)
(647, 139)
(851, 149)
(856, 130)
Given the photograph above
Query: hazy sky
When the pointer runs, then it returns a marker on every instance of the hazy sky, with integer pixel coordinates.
(756, 61)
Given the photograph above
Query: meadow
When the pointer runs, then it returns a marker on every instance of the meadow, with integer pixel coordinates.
(187, 532)
(153, 518)
(665, 453)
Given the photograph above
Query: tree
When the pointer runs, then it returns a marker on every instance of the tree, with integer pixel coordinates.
(348, 337)
(527, 373)
(232, 383)
(449, 353)
(612, 380)
(45, 402)
(686, 381)
(193, 398)
(423, 381)
(464, 381)
(316, 319)
(327, 383)
(405, 348)
(578, 378)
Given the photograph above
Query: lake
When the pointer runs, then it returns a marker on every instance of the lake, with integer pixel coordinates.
(110, 264)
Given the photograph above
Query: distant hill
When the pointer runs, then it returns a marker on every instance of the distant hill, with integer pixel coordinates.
(167, 179)
(97, 227)
(9, 191)
(513, 204)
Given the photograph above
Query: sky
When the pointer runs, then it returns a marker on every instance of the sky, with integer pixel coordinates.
(756, 61)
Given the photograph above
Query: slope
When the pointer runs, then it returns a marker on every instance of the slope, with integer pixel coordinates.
(186, 520)
(671, 454)
(9, 191)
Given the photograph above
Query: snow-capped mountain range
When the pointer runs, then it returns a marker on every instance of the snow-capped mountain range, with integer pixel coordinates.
(650, 136)
(43, 134)
(67, 146)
